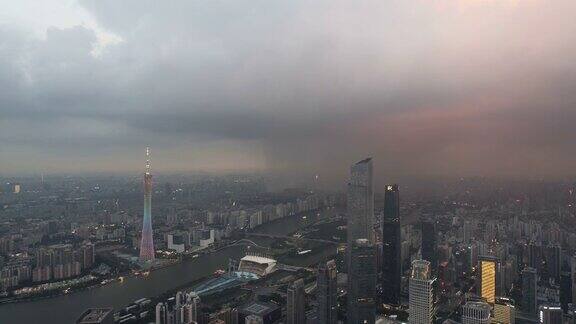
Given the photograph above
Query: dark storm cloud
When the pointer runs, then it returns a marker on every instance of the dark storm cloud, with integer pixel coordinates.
(443, 87)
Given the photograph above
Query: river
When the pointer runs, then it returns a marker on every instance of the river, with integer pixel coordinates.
(66, 308)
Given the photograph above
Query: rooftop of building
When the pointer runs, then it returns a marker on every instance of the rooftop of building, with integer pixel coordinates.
(478, 305)
(94, 315)
(258, 308)
(258, 259)
(366, 160)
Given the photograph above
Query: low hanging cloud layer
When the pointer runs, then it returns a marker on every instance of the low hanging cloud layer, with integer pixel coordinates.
(443, 87)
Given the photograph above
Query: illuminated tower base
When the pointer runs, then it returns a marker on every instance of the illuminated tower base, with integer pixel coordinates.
(147, 243)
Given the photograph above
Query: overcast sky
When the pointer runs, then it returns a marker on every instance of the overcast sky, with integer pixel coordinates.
(426, 87)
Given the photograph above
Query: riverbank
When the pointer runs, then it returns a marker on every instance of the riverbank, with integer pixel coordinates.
(66, 308)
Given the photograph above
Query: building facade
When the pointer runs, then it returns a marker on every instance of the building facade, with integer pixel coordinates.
(391, 247)
(362, 283)
(421, 293)
(474, 312)
(487, 267)
(529, 291)
(360, 221)
(327, 293)
(295, 303)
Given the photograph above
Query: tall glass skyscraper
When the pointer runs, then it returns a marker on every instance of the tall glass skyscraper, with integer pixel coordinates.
(428, 248)
(295, 303)
(391, 247)
(147, 243)
(362, 283)
(360, 222)
(327, 293)
(529, 291)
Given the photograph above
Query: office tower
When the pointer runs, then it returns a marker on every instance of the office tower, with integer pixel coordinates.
(421, 296)
(475, 312)
(550, 314)
(161, 314)
(504, 311)
(360, 222)
(487, 267)
(529, 290)
(295, 298)
(362, 283)
(327, 293)
(428, 248)
(554, 262)
(391, 247)
(147, 244)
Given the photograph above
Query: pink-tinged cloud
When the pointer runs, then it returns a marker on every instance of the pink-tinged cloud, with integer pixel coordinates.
(427, 87)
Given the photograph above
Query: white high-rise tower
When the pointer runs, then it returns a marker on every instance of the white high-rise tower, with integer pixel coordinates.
(421, 294)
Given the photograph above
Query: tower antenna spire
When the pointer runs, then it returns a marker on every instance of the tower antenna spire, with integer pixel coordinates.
(148, 160)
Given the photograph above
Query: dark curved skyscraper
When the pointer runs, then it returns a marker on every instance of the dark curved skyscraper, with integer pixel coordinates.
(147, 243)
(391, 263)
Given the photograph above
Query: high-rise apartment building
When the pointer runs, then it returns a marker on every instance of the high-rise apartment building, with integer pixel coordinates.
(391, 247)
(327, 293)
(421, 293)
(161, 314)
(535, 255)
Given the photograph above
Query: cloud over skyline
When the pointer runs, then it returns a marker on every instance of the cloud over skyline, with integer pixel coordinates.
(446, 87)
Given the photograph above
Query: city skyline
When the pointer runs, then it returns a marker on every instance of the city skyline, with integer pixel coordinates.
(315, 161)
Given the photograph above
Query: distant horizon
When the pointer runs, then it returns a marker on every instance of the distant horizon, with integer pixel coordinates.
(439, 88)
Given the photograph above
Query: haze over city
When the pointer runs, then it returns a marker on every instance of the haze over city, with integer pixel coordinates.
(448, 87)
(287, 162)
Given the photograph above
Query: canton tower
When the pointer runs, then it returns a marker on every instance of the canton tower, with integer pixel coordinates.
(147, 244)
